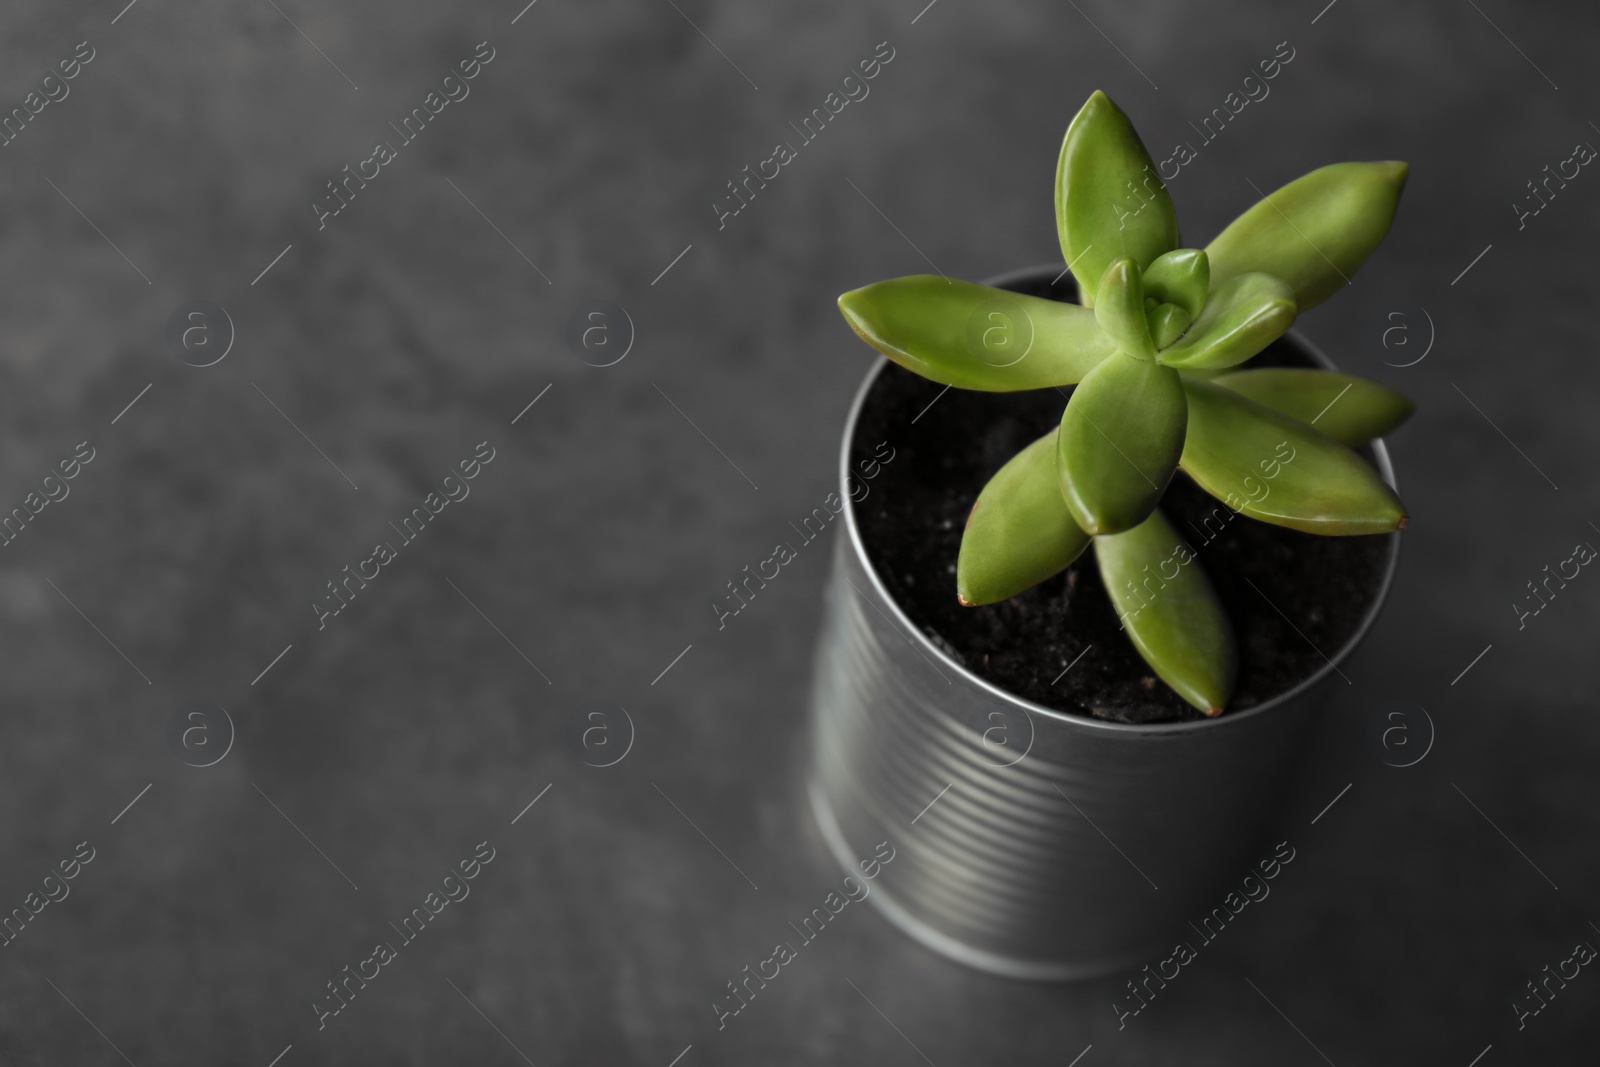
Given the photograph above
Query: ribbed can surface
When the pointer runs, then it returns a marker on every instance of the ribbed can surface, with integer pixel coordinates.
(1031, 842)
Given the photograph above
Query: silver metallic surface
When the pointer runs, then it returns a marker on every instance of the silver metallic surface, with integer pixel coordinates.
(1030, 842)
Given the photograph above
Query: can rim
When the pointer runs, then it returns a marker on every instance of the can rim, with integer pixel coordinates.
(1221, 722)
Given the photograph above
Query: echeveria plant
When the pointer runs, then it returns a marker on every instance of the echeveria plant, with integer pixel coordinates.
(1148, 349)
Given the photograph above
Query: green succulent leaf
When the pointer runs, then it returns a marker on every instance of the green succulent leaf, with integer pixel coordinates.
(1182, 277)
(1244, 315)
(1170, 611)
(1278, 469)
(976, 337)
(1167, 323)
(1314, 232)
(1120, 440)
(1109, 200)
(1348, 409)
(1019, 532)
(1120, 310)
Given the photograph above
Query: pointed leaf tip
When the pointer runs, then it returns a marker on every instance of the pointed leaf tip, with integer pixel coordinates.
(1181, 277)
(1395, 170)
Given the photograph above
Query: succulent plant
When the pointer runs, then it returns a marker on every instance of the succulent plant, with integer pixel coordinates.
(1151, 350)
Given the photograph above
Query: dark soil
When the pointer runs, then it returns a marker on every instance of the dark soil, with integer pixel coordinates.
(913, 520)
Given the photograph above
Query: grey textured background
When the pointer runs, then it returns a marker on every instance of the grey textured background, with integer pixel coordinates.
(408, 331)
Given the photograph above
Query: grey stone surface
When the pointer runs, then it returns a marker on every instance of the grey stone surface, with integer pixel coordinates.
(412, 327)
